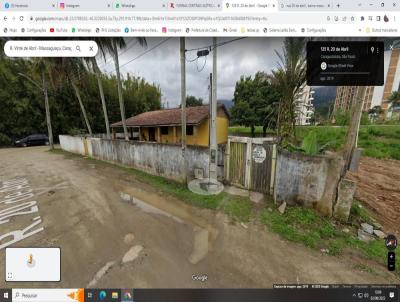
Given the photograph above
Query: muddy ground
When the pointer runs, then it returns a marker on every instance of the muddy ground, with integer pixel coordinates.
(114, 230)
(378, 187)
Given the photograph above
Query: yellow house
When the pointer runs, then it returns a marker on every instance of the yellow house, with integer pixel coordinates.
(164, 126)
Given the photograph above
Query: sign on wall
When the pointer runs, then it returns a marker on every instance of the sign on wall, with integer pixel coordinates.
(259, 154)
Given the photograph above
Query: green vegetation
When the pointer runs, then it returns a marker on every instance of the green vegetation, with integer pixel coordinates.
(342, 118)
(288, 79)
(23, 110)
(192, 101)
(379, 141)
(305, 226)
(310, 144)
(255, 103)
(297, 224)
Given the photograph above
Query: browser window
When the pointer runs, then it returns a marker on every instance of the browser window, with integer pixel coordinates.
(199, 150)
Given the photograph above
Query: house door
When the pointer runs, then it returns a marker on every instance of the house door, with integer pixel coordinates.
(152, 134)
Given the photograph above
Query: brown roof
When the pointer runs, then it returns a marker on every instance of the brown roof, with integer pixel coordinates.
(194, 116)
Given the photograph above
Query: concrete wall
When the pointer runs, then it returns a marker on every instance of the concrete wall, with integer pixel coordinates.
(72, 144)
(307, 180)
(158, 159)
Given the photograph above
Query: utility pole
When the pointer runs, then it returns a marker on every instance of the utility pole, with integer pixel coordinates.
(213, 116)
(183, 104)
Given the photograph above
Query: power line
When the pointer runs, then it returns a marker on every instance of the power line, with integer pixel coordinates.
(78, 73)
(210, 47)
(105, 62)
(145, 52)
(204, 65)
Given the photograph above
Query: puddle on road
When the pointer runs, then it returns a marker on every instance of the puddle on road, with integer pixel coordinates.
(204, 233)
(145, 207)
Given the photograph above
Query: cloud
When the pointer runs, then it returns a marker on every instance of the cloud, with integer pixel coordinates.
(162, 65)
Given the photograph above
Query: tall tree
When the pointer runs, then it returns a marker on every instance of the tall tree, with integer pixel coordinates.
(23, 108)
(116, 44)
(104, 44)
(73, 70)
(289, 78)
(42, 65)
(255, 102)
(192, 101)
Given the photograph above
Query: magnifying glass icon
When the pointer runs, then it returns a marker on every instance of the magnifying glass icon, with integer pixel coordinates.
(78, 48)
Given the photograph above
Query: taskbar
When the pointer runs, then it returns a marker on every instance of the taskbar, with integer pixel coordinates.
(279, 293)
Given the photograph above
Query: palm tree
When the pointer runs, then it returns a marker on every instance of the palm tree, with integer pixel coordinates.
(72, 70)
(289, 78)
(42, 65)
(103, 44)
(119, 43)
(394, 99)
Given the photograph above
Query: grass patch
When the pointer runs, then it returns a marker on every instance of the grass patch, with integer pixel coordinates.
(358, 214)
(378, 141)
(299, 224)
(307, 227)
(258, 131)
(238, 208)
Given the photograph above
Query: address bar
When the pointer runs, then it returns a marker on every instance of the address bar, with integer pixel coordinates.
(144, 18)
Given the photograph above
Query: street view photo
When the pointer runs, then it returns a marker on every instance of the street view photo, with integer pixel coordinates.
(197, 163)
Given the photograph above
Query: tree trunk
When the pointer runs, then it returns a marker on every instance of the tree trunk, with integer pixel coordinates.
(120, 96)
(103, 100)
(252, 130)
(46, 105)
(78, 95)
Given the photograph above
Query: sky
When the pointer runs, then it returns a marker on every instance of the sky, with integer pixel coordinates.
(161, 65)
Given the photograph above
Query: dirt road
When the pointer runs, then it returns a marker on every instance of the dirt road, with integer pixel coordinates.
(378, 187)
(116, 231)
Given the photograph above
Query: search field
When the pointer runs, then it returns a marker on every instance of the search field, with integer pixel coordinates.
(48, 295)
(46, 48)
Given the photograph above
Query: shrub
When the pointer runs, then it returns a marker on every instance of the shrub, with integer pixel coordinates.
(5, 140)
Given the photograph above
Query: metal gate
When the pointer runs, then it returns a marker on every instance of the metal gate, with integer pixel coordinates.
(250, 163)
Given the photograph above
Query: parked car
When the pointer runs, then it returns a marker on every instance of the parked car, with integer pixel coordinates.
(32, 140)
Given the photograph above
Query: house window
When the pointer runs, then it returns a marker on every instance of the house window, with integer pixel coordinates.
(189, 130)
(164, 130)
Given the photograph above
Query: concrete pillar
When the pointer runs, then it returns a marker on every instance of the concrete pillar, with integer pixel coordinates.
(346, 192)
(325, 206)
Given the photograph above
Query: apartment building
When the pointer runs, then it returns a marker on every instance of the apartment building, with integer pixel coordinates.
(304, 106)
(374, 95)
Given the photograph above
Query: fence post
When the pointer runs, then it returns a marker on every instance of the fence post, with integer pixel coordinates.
(248, 163)
(85, 147)
(273, 170)
(227, 159)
